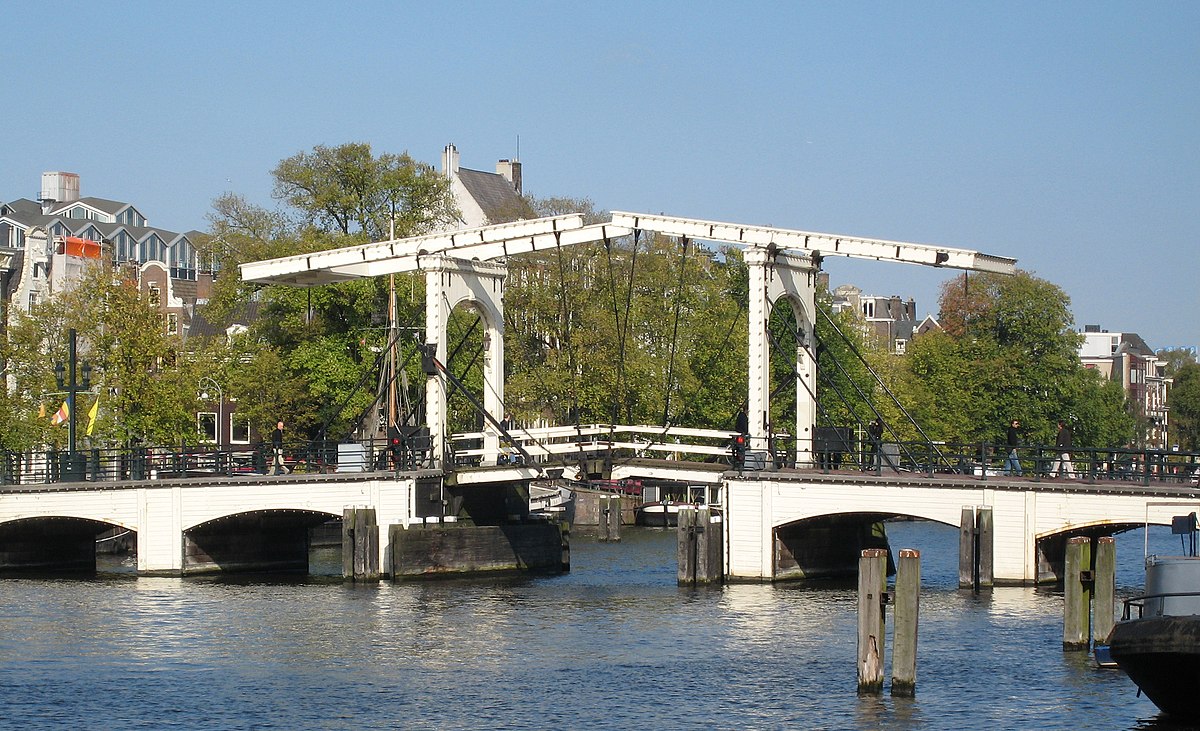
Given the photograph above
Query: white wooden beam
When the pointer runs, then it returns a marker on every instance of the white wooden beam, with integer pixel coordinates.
(385, 257)
(818, 243)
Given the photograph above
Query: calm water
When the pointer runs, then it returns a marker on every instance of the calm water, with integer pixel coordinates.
(613, 644)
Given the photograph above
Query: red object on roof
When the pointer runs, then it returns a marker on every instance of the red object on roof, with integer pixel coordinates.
(85, 248)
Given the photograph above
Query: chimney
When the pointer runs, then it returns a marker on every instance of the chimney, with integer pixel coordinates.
(511, 170)
(450, 160)
(58, 187)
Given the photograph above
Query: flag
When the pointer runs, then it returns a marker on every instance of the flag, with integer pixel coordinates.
(92, 415)
(60, 416)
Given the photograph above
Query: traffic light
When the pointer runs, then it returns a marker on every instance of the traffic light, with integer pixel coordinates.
(394, 440)
(737, 450)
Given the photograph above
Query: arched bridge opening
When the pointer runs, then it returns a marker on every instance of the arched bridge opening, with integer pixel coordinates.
(58, 544)
(1052, 548)
(827, 546)
(267, 540)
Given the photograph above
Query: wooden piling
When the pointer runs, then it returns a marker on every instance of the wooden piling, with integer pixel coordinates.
(1077, 593)
(1104, 601)
(686, 540)
(904, 639)
(966, 549)
(360, 545)
(610, 518)
(872, 583)
(983, 547)
(700, 550)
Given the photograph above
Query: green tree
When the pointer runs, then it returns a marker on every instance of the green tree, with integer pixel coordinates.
(316, 347)
(147, 391)
(1184, 402)
(1007, 352)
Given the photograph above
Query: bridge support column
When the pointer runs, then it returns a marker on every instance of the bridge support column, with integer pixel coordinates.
(449, 283)
(975, 548)
(160, 532)
(360, 544)
(773, 276)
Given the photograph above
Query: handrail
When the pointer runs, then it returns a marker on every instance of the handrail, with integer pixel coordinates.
(1140, 601)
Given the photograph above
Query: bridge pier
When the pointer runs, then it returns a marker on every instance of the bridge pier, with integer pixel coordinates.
(441, 550)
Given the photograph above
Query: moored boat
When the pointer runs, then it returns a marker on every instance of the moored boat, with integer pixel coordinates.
(553, 501)
(1159, 648)
(660, 514)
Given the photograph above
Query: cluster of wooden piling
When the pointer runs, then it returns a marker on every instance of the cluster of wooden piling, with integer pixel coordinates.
(701, 554)
(1089, 592)
(873, 599)
(975, 556)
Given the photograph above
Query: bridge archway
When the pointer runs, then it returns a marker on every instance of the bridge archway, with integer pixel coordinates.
(260, 540)
(59, 543)
(1051, 546)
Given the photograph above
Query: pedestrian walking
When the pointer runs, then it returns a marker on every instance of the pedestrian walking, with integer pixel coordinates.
(1063, 444)
(1013, 465)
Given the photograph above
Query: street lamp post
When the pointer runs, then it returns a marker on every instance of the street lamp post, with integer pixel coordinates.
(72, 387)
(220, 408)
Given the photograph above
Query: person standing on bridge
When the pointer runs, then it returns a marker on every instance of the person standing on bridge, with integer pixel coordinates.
(1063, 443)
(1013, 465)
(277, 449)
(875, 434)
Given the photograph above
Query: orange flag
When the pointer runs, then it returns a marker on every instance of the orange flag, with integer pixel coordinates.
(60, 416)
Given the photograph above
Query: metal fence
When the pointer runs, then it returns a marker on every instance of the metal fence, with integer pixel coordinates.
(36, 467)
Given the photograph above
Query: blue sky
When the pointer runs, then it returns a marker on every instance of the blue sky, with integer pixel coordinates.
(1062, 134)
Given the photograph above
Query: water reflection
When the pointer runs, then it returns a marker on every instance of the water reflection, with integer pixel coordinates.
(614, 643)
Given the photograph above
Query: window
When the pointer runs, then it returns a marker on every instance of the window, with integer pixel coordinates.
(206, 426)
(239, 430)
(154, 295)
(901, 345)
(172, 323)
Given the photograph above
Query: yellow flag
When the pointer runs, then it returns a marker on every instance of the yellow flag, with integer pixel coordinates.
(61, 416)
(92, 415)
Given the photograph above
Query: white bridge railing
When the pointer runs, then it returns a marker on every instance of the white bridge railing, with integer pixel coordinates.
(549, 443)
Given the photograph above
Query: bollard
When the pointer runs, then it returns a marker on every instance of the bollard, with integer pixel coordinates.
(872, 582)
(904, 640)
(1077, 593)
(1104, 602)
